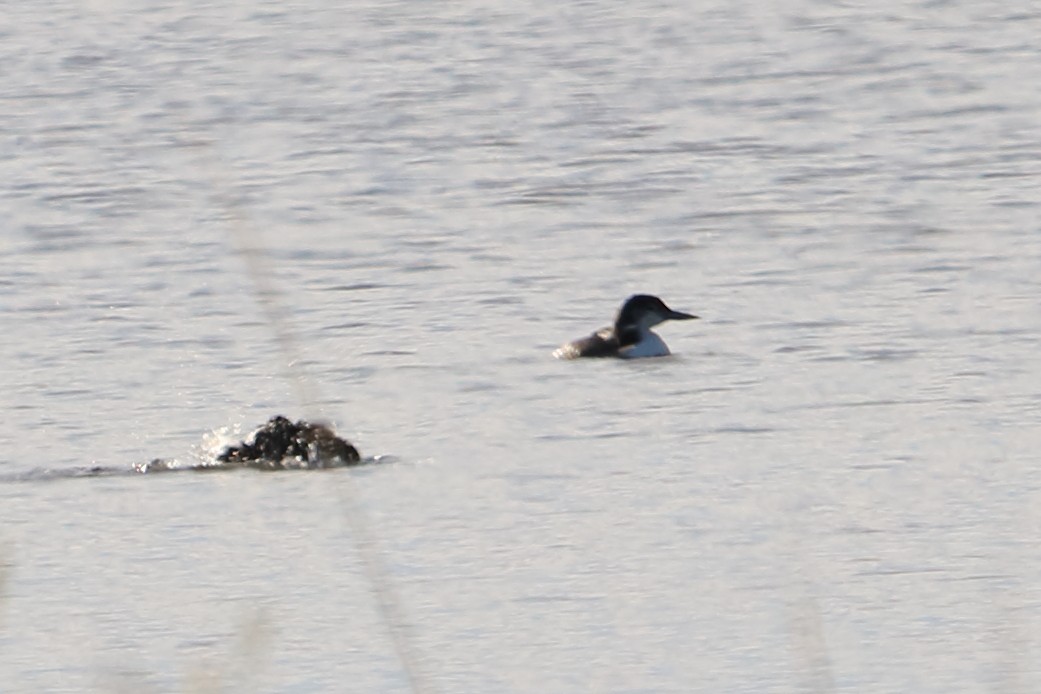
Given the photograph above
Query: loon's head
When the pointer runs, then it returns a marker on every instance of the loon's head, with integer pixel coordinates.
(642, 312)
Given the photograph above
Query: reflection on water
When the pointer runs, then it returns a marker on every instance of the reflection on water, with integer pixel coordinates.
(829, 487)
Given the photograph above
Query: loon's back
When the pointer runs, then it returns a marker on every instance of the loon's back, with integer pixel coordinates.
(602, 343)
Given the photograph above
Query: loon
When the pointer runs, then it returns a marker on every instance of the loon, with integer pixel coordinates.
(631, 336)
(281, 444)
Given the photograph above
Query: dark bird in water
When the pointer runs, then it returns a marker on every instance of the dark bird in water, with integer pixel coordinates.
(281, 444)
(631, 336)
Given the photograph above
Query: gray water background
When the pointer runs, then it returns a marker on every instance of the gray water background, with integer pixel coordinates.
(831, 487)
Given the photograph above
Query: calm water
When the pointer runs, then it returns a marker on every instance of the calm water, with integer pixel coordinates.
(831, 487)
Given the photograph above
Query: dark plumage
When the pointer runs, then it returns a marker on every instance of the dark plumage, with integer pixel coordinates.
(281, 444)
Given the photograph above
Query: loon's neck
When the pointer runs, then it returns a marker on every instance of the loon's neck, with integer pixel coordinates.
(646, 344)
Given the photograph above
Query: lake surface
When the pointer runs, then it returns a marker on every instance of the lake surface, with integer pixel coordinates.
(832, 486)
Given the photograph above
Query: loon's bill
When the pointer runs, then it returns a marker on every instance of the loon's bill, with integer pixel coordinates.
(631, 336)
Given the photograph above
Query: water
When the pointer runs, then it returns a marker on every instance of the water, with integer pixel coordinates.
(830, 488)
